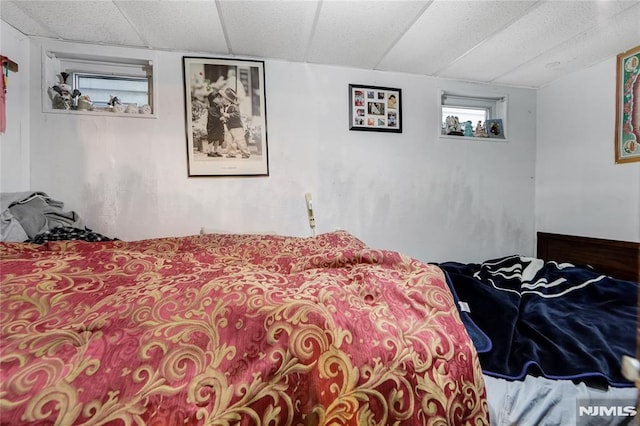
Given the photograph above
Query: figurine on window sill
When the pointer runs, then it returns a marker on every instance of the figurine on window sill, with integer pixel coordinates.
(480, 132)
(62, 97)
(468, 128)
(84, 103)
(453, 126)
(116, 105)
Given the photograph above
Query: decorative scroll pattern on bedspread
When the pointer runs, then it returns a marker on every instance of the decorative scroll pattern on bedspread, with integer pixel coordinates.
(229, 329)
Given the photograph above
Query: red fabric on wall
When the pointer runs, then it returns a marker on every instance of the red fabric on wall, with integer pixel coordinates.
(3, 97)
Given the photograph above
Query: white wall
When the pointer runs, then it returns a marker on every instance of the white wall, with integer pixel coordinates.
(14, 155)
(430, 198)
(579, 188)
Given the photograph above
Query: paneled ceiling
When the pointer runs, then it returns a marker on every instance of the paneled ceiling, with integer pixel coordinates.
(517, 43)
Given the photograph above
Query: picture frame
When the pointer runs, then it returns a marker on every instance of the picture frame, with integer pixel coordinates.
(375, 108)
(225, 117)
(494, 128)
(627, 138)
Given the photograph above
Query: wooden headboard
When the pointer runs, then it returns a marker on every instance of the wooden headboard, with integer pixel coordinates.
(620, 259)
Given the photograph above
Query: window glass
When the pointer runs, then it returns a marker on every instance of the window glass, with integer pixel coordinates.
(100, 88)
(464, 114)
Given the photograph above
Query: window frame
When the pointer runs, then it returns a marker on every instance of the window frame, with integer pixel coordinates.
(496, 107)
(78, 60)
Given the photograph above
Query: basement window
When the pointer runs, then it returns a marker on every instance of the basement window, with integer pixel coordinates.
(101, 79)
(490, 111)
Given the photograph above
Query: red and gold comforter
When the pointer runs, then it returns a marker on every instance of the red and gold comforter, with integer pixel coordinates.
(231, 329)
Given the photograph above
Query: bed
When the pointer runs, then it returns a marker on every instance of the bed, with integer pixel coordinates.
(551, 330)
(231, 329)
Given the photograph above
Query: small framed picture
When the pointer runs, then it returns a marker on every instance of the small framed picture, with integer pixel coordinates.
(375, 108)
(494, 128)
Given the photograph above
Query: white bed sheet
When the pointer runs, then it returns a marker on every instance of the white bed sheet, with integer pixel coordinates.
(538, 401)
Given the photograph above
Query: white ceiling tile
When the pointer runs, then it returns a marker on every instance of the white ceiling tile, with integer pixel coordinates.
(23, 21)
(89, 21)
(177, 25)
(447, 30)
(618, 34)
(544, 28)
(272, 29)
(516, 42)
(358, 33)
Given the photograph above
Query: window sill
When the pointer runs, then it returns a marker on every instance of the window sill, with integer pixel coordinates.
(98, 113)
(472, 138)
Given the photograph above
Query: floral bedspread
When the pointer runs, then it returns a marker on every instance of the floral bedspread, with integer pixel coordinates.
(231, 329)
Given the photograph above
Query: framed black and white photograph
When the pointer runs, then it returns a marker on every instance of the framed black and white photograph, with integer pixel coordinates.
(375, 108)
(226, 117)
(494, 128)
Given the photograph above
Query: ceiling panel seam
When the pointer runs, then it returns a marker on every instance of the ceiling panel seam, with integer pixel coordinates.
(224, 27)
(312, 33)
(402, 34)
(491, 36)
(133, 26)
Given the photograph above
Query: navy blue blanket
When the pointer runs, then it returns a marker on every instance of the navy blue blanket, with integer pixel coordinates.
(560, 321)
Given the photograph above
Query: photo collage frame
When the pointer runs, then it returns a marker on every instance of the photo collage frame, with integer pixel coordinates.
(374, 108)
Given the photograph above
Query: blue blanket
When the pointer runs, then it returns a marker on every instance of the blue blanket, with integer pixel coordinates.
(561, 321)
